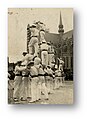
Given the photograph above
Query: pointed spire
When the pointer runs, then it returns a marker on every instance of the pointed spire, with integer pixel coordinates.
(61, 29)
(60, 19)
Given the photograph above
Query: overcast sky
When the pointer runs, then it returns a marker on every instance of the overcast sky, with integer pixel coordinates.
(17, 26)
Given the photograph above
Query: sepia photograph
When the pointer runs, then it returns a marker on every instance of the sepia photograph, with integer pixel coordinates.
(40, 56)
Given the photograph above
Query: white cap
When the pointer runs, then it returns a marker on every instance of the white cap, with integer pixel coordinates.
(32, 25)
(37, 61)
(44, 41)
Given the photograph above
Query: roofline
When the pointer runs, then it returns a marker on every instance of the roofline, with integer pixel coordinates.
(59, 34)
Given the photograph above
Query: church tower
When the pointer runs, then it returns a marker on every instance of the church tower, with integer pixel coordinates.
(61, 29)
(61, 32)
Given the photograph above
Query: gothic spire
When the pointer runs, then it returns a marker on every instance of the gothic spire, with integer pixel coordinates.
(61, 29)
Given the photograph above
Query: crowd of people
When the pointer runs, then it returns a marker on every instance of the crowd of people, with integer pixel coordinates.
(36, 75)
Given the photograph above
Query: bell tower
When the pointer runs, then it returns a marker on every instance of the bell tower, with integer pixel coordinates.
(61, 32)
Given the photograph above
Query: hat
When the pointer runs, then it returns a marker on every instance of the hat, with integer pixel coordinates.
(28, 57)
(44, 41)
(30, 63)
(48, 43)
(42, 30)
(48, 66)
(24, 53)
(37, 61)
(39, 22)
(18, 62)
(33, 26)
(35, 22)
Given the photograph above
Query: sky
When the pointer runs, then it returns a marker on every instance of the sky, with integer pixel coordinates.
(19, 18)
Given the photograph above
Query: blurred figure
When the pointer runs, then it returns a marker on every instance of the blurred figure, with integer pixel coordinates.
(49, 80)
(42, 35)
(60, 78)
(18, 80)
(33, 44)
(56, 82)
(61, 64)
(34, 81)
(49, 53)
(51, 58)
(42, 81)
(60, 74)
(37, 62)
(26, 83)
(10, 87)
(44, 52)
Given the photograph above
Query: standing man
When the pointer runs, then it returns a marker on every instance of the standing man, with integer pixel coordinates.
(33, 44)
(56, 84)
(44, 52)
(60, 78)
(10, 86)
(42, 35)
(49, 79)
(34, 81)
(18, 80)
(51, 58)
(61, 64)
(41, 82)
(25, 80)
(26, 83)
(49, 53)
(37, 62)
